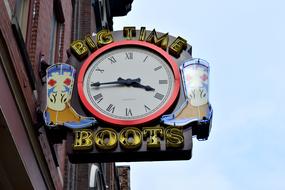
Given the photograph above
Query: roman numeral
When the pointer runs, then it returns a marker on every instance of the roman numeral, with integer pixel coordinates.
(157, 68)
(163, 82)
(159, 96)
(99, 70)
(146, 108)
(112, 59)
(98, 98)
(145, 58)
(129, 112)
(111, 108)
(129, 55)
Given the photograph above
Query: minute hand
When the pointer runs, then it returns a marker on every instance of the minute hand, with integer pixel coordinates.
(120, 81)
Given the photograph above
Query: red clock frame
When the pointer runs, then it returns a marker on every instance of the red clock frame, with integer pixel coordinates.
(132, 122)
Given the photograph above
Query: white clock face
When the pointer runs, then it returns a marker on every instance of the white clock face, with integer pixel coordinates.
(128, 83)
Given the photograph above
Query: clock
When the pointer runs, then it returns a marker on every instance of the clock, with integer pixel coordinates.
(128, 83)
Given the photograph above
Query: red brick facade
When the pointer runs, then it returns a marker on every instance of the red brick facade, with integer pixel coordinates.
(49, 27)
(124, 177)
(32, 146)
(12, 47)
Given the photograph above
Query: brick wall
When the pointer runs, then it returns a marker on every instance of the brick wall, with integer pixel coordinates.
(41, 31)
(85, 18)
(124, 177)
(38, 42)
(67, 9)
(18, 64)
(82, 180)
(44, 29)
(32, 43)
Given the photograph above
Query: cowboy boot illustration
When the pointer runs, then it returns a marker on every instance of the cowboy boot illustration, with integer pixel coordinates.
(60, 81)
(195, 86)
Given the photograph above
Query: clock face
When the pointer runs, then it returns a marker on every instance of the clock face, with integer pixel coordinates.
(128, 83)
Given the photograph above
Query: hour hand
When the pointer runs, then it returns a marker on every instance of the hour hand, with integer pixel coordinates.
(146, 87)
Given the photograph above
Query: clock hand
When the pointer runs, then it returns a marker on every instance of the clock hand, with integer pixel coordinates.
(139, 85)
(128, 82)
(120, 80)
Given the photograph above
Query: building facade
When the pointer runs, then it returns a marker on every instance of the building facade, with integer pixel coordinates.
(124, 177)
(33, 35)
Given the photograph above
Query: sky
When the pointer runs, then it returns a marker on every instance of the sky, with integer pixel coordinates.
(243, 40)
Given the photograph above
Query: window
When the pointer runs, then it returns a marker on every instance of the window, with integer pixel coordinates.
(53, 39)
(22, 15)
(57, 34)
(95, 181)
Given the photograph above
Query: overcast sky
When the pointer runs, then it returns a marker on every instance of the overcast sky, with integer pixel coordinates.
(244, 42)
